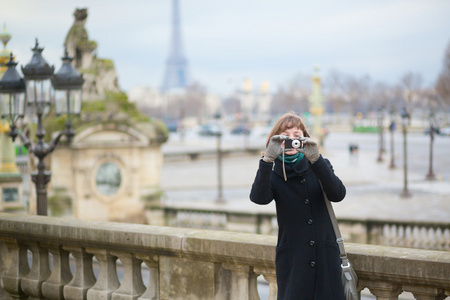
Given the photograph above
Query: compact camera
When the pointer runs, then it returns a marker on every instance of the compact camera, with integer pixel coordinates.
(293, 144)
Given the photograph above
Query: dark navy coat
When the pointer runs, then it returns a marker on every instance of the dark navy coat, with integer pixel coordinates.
(307, 255)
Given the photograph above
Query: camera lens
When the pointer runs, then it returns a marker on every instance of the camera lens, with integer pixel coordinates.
(296, 143)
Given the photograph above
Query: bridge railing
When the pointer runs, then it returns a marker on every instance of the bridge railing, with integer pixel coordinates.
(183, 263)
(411, 234)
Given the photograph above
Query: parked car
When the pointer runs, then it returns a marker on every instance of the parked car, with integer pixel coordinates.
(172, 125)
(240, 129)
(435, 129)
(445, 131)
(209, 129)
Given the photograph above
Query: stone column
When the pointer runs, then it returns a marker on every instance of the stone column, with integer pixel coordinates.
(107, 281)
(243, 285)
(425, 292)
(271, 276)
(18, 268)
(84, 278)
(132, 285)
(40, 271)
(152, 262)
(53, 287)
(384, 290)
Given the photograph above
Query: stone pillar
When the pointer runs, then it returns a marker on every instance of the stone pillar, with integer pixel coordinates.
(243, 284)
(384, 290)
(425, 293)
(84, 278)
(40, 271)
(18, 268)
(107, 281)
(132, 285)
(53, 287)
(271, 276)
(152, 262)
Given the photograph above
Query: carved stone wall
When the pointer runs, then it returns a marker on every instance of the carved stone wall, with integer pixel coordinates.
(109, 171)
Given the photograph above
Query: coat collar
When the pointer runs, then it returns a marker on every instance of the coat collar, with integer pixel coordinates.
(292, 170)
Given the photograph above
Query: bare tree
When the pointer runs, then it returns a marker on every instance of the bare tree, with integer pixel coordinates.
(294, 97)
(351, 92)
(333, 88)
(443, 82)
(412, 93)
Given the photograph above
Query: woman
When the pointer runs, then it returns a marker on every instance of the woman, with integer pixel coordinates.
(307, 255)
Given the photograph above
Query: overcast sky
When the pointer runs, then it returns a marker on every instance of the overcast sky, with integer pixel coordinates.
(230, 40)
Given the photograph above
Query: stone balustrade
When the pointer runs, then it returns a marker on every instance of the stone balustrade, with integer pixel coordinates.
(412, 234)
(182, 263)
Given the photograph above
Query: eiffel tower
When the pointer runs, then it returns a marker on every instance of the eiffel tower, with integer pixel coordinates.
(176, 73)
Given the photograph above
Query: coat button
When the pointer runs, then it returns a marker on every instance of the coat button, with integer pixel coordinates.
(312, 243)
(310, 221)
(303, 180)
(313, 264)
(306, 201)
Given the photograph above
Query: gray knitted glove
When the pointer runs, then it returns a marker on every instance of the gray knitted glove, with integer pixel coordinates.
(274, 149)
(310, 149)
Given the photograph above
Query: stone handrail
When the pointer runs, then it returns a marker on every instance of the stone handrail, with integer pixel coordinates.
(183, 263)
(413, 234)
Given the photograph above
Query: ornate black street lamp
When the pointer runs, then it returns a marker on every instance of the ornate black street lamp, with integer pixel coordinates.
(381, 134)
(220, 198)
(405, 121)
(12, 94)
(430, 175)
(39, 84)
(392, 128)
(68, 83)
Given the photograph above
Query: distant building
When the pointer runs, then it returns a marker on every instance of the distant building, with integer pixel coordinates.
(146, 97)
(254, 103)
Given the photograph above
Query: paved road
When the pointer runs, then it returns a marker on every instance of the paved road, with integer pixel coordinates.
(373, 190)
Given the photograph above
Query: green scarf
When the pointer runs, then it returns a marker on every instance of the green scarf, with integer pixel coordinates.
(291, 159)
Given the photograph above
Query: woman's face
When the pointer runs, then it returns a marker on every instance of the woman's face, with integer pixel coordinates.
(292, 133)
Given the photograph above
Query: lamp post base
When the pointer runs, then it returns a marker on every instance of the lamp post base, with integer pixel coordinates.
(392, 165)
(406, 194)
(220, 200)
(430, 176)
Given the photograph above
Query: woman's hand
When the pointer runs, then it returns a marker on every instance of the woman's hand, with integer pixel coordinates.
(274, 149)
(310, 149)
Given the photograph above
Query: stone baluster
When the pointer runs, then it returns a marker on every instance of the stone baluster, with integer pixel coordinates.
(107, 281)
(271, 276)
(401, 235)
(243, 282)
(18, 268)
(438, 238)
(84, 277)
(152, 262)
(132, 285)
(409, 238)
(425, 292)
(53, 287)
(40, 271)
(253, 285)
(431, 234)
(383, 290)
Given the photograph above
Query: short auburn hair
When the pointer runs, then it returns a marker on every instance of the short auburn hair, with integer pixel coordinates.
(287, 121)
